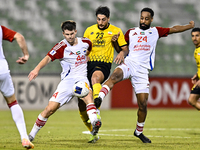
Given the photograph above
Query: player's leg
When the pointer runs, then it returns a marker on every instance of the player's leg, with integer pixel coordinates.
(7, 89)
(193, 101)
(43, 117)
(115, 77)
(83, 114)
(92, 113)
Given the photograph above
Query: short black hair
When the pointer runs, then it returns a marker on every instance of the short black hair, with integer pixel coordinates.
(148, 10)
(104, 10)
(68, 25)
(197, 29)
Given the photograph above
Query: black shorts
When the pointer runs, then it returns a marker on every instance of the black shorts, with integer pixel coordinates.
(102, 66)
(196, 90)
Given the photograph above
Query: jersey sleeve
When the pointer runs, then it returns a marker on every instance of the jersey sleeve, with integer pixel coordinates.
(121, 39)
(57, 52)
(126, 36)
(163, 32)
(86, 40)
(8, 34)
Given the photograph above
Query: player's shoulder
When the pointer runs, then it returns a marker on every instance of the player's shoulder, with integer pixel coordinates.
(111, 26)
(60, 44)
(85, 40)
(94, 26)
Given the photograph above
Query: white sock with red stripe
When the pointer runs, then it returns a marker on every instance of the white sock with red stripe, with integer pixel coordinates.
(104, 91)
(18, 117)
(40, 122)
(139, 128)
(92, 113)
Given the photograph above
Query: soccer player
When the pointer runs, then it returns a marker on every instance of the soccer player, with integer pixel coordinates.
(104, 37)
(195, 92)
(142, 43)
(6, 84)
(71, 52)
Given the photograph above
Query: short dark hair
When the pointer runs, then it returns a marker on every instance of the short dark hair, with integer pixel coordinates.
(104, 10)
(148, 10)
(197, 29)
(68, 25)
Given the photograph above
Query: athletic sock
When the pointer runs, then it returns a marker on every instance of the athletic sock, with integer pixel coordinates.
(18, 117)
(139, 128)
(85, 118)
(96, 89)
(40, 122)
(91, 111)
(104, 91)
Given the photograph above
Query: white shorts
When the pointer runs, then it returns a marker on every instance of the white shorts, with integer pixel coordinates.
(139, 76)
(64, 91)
(6, 85)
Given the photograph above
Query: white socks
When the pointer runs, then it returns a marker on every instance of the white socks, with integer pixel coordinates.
(104, 91)
(92, 113)
(139, 128)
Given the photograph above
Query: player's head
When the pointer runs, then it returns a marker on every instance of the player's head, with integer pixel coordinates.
(146, 17)
(103, 17)
(195, 33)
(69, 31)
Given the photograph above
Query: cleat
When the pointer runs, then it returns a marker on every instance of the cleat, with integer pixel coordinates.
(96, 125)
(97, 102)
(30, 138)
(143, 138)
(93, 138)
(27, 144)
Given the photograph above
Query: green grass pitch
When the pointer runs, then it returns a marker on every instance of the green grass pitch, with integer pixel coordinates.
(168, 129)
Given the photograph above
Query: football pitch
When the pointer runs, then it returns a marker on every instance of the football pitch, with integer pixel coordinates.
(168, 129)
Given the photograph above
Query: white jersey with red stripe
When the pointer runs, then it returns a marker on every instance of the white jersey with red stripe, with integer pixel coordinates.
(72, 58)
(142, 45)
(5, 34)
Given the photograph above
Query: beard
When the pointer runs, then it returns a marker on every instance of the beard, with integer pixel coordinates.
(144, 26)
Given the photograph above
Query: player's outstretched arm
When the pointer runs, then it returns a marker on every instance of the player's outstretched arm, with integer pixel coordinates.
(34, 73)
(22, 44)
(181, 28)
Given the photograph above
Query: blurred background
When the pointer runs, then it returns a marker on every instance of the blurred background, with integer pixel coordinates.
(39, 21)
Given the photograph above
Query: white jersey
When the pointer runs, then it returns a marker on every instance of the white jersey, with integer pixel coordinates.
(142, 45)
(5, 34)
(72, 58)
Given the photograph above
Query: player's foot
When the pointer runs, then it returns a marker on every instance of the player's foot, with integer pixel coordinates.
(97, 102)
(27, 144)
(98, 117)
(93, 138)
(96, 125)
(30, 138)
(143, 138)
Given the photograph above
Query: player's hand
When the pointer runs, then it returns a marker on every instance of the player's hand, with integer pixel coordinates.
(115, 37)
(194, 79)
(23, 60)
(32, 75)
(192, 23)
(120, 58)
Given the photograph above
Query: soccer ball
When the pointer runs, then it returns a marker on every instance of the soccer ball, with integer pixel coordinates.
(80, 89)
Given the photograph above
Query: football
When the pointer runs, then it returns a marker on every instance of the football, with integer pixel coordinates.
(80, 89)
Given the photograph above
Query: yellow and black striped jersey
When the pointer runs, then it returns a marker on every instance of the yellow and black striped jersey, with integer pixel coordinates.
(197, 58)
(102, 47)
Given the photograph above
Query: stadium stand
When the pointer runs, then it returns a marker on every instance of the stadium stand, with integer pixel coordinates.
(40, 22)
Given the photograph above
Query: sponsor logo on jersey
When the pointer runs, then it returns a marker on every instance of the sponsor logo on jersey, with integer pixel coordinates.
(150, 32)
(134, 34)
(77, 53)
(84, 50)
(91, 33)
(52, 52)
(109, 32)
(142, 33)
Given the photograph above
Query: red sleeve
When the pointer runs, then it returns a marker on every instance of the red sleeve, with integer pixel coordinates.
(86, 40)
(8, 34)
(57, 52)
(162, 31)
(126, 36)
